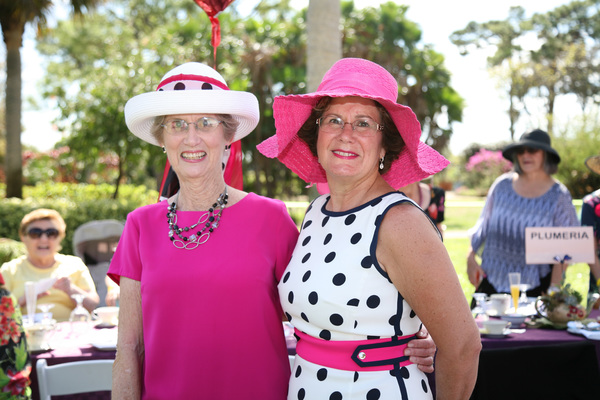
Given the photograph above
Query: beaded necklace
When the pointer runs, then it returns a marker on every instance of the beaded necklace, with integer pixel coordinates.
(208, 222)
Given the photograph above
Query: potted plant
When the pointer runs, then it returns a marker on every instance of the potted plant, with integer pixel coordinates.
(564, 304)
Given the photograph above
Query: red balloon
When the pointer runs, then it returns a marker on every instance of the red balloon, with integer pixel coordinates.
(212, 8)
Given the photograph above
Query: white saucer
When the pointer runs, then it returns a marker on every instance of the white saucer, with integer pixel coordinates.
(502, 335)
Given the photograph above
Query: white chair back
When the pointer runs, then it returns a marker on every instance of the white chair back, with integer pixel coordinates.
(73, 377)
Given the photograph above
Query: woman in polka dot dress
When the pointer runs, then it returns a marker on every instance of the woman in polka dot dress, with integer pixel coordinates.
(369, 269)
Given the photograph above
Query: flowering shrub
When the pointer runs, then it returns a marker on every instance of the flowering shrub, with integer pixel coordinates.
(484, 167)
(15, 363)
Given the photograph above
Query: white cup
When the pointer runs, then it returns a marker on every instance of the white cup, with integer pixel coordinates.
(499, 303)
(495, 326)
(108, 315)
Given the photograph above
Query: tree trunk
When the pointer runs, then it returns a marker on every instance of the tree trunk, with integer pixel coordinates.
(324, 39)
(323, 45)
(13, 161)
(550, 105)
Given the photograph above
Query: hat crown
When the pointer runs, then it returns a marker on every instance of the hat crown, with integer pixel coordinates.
(359, 76)
(192, 76)
(537, 135)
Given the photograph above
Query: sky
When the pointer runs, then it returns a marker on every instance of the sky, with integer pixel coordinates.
(484, 118)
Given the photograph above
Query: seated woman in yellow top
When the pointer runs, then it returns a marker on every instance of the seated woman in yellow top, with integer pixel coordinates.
(42, 231)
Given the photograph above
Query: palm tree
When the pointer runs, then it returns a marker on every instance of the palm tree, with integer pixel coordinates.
(14, 15)
(324, 39)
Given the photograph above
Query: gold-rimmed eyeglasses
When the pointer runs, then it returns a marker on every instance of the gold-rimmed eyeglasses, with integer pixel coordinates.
(203, 125)
(362, 126)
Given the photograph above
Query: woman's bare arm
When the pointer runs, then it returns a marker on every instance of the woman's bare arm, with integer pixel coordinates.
(419, 266)
(127, 370)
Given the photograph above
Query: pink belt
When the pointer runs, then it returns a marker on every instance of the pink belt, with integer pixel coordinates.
(354, 355)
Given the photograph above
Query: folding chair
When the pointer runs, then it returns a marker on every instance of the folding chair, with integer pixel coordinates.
(94, 242)
(73, 377)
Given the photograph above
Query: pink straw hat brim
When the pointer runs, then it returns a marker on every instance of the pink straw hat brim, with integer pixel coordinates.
(417, 161)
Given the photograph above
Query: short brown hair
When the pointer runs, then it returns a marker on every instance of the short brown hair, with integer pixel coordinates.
(392, 142)
(43, 214)
(230, 125)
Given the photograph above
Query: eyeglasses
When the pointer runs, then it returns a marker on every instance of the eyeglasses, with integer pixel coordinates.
(363, 126)
(36, 233)
(530, 150)
(203, 125)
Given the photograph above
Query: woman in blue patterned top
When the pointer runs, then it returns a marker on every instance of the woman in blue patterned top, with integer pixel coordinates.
(527, 196)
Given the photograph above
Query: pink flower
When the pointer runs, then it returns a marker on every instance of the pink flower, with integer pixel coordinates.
(597, 210)
(485, 159)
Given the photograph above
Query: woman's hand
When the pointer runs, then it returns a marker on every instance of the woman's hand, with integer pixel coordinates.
(474, 270)
(422, 351)
(64, 284)
(91, 299)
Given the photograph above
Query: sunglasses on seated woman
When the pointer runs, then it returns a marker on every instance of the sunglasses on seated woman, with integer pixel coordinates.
(36, 233)
(529, 150)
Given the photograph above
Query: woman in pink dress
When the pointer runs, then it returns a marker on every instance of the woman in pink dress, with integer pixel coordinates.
(199, 309)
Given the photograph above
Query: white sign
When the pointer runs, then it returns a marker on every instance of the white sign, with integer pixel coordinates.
(551, 245)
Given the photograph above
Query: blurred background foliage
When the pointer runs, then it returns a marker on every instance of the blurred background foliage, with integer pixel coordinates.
(77, 203)
(122, 48)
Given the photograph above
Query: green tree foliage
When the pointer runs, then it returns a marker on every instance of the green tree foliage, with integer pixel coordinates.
(77, 204)
(385, 36)
(576, 142)
(126, 46)
(14, 15)
(565, 60)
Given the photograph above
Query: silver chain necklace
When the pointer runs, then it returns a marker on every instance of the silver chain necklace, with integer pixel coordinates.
(206, 224)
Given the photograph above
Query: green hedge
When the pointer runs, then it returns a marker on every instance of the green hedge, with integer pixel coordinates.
(77, 203)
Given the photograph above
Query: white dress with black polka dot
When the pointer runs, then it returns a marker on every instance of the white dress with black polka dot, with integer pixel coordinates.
(334, 289)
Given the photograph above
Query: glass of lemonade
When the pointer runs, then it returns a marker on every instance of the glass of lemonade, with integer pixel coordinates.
(514, 279)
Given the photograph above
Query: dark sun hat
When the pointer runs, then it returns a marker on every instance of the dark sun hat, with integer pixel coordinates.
(537, 139)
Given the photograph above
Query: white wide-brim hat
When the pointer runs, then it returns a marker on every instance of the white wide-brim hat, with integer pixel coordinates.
(191, 88)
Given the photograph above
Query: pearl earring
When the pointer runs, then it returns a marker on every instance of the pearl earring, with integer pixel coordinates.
(164, 149)
(381, 163)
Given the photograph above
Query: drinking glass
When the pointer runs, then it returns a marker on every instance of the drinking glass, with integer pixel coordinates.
(46, 314)
(514, 279)
(30, 299)
(479, 311)
(524, 288)
(79, 313)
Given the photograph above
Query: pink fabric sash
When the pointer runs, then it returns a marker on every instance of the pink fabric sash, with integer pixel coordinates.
(354, 355)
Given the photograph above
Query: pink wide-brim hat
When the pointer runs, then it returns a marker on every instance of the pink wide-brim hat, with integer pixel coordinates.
(191, 88)
(351, 77)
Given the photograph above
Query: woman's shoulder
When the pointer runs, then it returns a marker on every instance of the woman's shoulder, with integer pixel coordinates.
(261, 203)
(71, 261)
(561, 189)
(13, 264)
(504, 179)
(147, 212)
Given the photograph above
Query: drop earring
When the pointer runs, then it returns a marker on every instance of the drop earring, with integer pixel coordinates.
(381, 163)
(164, 149)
